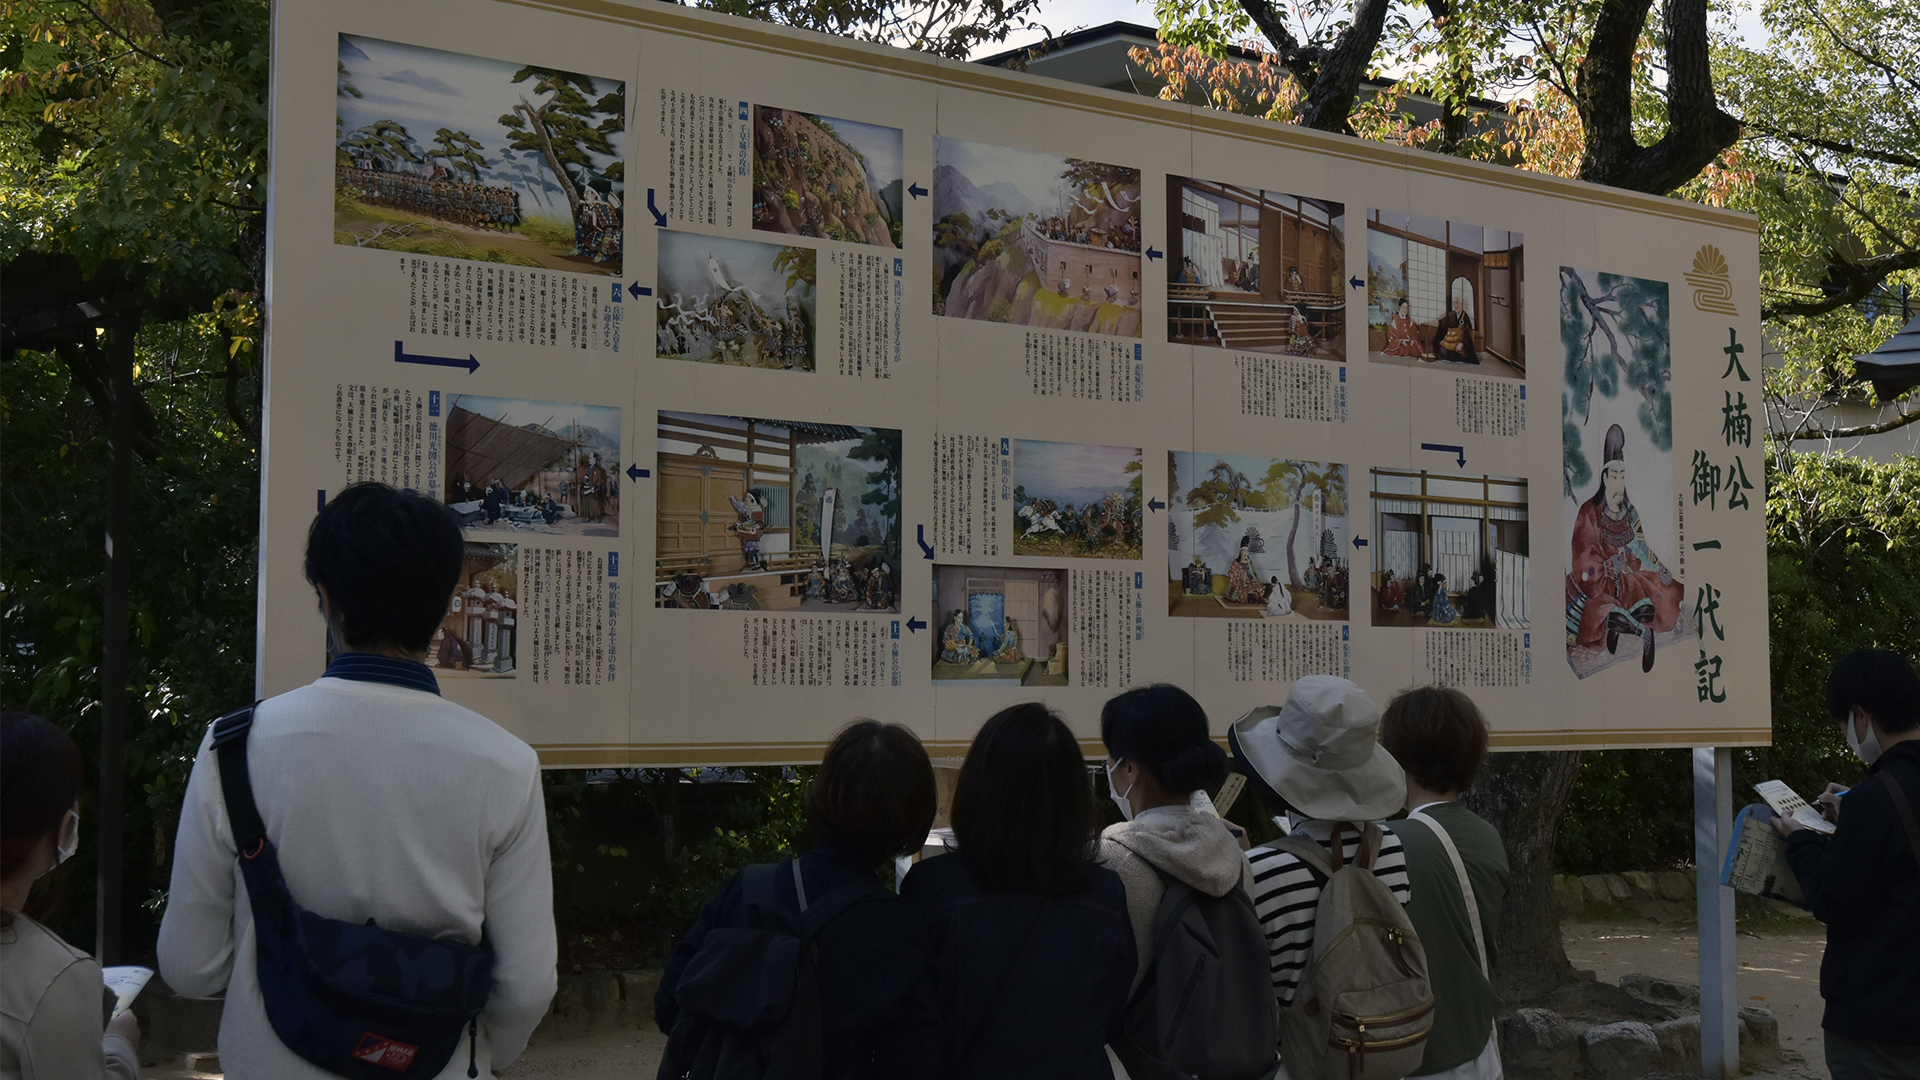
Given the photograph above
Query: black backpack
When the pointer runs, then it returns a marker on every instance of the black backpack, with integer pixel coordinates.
(359, 1001)
(749, 998)
(1205, 1010)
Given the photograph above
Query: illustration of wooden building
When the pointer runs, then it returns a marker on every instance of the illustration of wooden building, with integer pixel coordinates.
(1441, 262)
(705, 463)
(1239, 250)
(1457, 526)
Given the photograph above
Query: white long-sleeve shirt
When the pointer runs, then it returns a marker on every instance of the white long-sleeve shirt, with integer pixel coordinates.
(384, 802)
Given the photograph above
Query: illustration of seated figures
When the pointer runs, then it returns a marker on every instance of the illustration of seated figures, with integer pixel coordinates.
(1616, 585)
(1403, 334)
(956, 642)
(1243, 581)
(841, 589)
(1009, 650)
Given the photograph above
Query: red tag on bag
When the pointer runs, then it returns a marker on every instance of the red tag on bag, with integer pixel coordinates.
(385, 1052)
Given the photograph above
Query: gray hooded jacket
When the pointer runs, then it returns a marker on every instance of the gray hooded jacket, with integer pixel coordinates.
(1190, 845)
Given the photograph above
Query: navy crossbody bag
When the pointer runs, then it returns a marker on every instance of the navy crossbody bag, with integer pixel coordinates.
(361, 1002)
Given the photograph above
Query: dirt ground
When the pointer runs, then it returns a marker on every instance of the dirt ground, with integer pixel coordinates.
(1779, 970)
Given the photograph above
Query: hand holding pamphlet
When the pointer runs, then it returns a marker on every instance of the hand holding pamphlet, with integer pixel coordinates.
(1787, 803)
(126, 983)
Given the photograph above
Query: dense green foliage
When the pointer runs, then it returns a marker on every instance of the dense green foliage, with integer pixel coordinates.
(196, 507)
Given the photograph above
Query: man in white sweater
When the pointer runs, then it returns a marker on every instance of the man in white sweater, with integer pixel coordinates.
(384, 801)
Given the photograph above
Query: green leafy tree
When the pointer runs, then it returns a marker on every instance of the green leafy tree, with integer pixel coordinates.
(882, 446)
(461, 153)
(561, 119)
(1830, 164)
(1618, 339)
(955, 232)
(386, 140)
(950, 28)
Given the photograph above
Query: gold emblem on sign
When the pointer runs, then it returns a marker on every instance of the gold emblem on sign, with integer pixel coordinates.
(1712, 284)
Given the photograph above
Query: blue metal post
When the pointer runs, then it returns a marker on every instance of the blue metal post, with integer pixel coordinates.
(1712, 832)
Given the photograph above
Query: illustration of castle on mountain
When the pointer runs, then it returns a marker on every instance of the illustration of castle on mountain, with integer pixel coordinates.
(1034, 239)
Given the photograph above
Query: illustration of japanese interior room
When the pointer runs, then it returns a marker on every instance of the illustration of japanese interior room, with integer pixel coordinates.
(777, 380)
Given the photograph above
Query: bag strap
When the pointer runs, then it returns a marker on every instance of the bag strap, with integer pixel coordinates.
(1466, 886)
(1906, 811)
(230, 744)
(1311, 855)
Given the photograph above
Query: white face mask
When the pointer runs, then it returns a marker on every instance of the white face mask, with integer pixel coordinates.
(1120, 797)
(1866, 749)
(69, 843)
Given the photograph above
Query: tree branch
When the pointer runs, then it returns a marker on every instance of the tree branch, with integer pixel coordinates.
(1809, 434)
(131, 44)
(1697, 129)
(1887, 157)
(1846, 283)
(1296, 58)
(1329, 103)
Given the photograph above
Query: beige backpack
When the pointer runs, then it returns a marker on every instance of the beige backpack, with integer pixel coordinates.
(1363, 1008)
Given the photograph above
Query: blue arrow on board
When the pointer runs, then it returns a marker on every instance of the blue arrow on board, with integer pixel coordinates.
(635, 472)
(1154, 253)
(1156, 504)
(402, 356)
(659, 218)
(1461, 451)
(1359, 542)
(916, 191)
(638, 290)
(921, 537)
(1355, 282)
(915, 624)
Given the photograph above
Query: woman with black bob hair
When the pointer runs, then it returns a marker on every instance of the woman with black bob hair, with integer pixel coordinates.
(1160, 752)
(872, 801)
(1035, 954)
(50, 1025)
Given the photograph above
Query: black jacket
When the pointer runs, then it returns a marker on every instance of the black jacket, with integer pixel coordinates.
(1030, 986)
(876, 973)
(1864, 884)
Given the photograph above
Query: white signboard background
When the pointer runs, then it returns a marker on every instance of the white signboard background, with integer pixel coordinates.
(677, 686)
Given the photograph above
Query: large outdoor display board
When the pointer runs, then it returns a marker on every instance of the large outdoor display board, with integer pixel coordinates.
(781, 380)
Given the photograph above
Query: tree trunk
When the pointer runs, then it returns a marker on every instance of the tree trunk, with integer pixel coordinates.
(1697, 129)
(1523, 796)
(114, 642)
(552, 157)
(1293, 530)
(1336, 87)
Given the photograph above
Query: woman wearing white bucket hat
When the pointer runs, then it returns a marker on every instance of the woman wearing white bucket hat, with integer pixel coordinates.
(1317, 757)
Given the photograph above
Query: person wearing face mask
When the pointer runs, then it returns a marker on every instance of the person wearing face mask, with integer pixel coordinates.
(1180, 863)
(1863, 881)
(52, 1000)
(1160, 754)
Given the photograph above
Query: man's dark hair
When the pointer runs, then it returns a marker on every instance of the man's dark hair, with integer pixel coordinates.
(1882, 683)
(389, 560)
(1023, 806)
(874, 795)
(1164, 731)
(1437, 735)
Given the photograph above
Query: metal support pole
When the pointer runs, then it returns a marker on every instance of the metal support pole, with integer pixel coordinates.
(1712, 831)
(114, 643)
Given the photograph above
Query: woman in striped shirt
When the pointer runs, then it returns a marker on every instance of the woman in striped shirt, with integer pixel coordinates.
(1317, 759)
